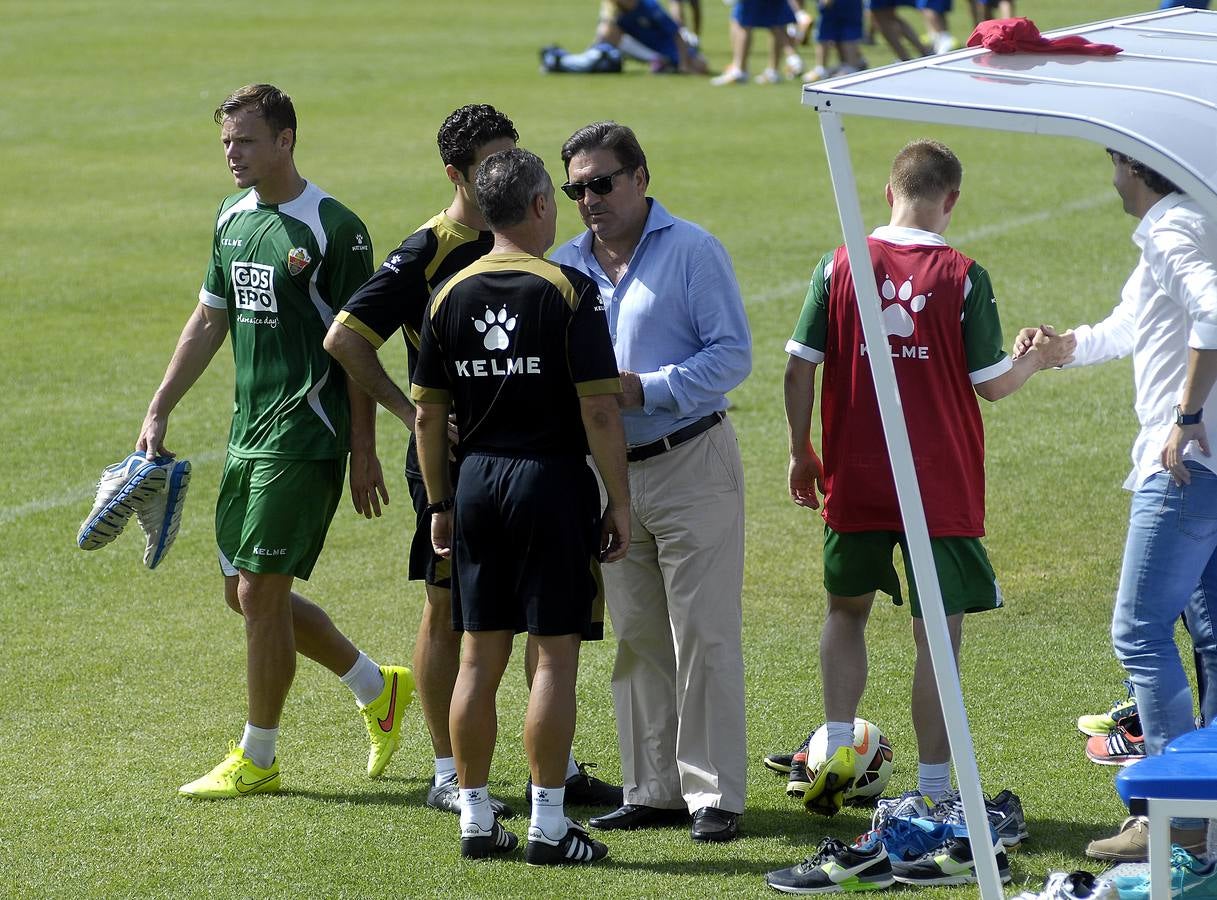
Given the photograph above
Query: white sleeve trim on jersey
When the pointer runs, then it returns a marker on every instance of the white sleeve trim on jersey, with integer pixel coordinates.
(988, 373)
(207, 298)
(249, 201)
(802, 351)
(307, 209)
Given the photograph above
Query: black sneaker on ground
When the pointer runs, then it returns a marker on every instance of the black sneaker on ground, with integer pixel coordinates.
(585, 789)
(950, 864)
(781, 762)
(446, 796)
(799, 781)
(836, 868)
(575, 848)
(478, 844)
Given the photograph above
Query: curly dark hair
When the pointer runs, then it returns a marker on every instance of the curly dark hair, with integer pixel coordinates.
(267, 100)
(468, 129)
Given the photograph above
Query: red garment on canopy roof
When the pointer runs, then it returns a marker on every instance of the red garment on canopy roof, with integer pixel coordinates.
(1021, 36)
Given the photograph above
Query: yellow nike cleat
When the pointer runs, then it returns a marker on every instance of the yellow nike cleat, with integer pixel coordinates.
(383, 717)
(236, 776)
(826, 795)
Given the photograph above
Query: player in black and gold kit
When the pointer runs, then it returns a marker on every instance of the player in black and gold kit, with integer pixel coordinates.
(393, 299)
(520, 347)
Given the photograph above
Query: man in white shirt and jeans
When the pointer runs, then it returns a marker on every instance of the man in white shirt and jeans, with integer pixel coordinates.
(1167, 320)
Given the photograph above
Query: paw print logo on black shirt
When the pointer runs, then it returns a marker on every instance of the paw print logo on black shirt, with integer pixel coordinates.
(495, 328)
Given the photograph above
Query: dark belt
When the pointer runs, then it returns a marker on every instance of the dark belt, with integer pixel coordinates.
(675, 439)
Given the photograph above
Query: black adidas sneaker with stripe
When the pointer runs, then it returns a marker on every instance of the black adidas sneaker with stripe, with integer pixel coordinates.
(479, 844)
(575, 847)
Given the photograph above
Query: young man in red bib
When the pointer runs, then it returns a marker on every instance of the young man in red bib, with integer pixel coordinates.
(945, 339)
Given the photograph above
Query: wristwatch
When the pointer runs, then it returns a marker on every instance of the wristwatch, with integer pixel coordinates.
(441, 506)
(1182, 418)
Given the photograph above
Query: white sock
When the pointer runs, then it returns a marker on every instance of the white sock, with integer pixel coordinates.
(475, 809)
(259, 745)
(572, 767)
(840, 734)
(364, 680)
(934, 779)
(445, 768)
(548, 813)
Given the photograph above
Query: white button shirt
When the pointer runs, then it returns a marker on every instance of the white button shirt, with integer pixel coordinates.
(1168, 304)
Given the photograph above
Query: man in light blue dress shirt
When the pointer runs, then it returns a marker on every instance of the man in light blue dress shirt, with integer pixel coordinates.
(682, 341)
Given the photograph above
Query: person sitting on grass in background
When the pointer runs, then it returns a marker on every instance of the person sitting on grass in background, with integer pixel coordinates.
(639, 29)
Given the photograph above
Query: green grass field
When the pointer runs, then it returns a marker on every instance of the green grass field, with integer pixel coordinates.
(118, 684)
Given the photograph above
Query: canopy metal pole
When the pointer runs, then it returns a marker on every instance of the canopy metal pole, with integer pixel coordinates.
(950, 694)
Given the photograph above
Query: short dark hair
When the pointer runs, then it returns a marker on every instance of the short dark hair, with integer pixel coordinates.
(925, 170)
(267, 100)
(468, 129)
(1157, 183)
(620, 140)
(506, 183)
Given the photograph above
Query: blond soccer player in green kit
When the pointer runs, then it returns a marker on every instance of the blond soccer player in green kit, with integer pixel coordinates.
(285, 256)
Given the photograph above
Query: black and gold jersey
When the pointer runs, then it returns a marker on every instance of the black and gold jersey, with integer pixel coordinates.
(512, 342)
(397, 293)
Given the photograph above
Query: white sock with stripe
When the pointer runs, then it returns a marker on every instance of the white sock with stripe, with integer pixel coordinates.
(364, 679)
(548, 814)
(259, 745)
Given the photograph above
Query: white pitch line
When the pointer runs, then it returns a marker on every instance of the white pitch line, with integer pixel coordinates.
(80, 494)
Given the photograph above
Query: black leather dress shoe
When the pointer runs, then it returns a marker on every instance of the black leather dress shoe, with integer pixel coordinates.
(634, 815)
(713, 824)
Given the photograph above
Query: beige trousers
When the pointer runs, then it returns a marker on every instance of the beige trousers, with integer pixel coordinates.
(678, 683)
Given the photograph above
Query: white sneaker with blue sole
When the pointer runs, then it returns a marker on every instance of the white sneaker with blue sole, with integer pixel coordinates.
(161, 516)
(124, 488)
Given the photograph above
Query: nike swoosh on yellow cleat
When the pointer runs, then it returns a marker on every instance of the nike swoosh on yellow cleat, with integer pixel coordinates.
(386, 724)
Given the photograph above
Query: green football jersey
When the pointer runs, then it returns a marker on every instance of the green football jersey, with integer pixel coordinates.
(282, 271)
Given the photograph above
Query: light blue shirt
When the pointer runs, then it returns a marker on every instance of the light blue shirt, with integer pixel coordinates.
(676, 318)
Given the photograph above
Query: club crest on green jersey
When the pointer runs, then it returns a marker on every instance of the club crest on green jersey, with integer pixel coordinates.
(298, 260)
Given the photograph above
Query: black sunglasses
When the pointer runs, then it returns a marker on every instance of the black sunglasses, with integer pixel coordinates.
(599, 186)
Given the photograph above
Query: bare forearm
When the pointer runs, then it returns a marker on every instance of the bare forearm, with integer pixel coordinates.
(431, 433)
(1011, 380)
(799, 389)
(202, 336)
(363, 418)
(363, 366)
(606, 441)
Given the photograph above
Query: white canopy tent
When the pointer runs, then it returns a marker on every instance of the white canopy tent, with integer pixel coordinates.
(1155, 102)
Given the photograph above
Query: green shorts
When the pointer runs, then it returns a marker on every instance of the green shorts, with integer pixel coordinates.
(859, 562)
(272, 515)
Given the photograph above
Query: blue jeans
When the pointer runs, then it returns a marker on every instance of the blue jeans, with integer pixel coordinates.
(1170, 567)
